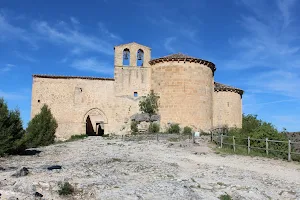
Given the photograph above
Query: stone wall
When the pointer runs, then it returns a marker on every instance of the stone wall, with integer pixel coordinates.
(186, 93)
(227, 109)
(131, 79)
(72, 100)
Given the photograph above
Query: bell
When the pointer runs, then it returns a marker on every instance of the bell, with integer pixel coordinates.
(126, 55)
(140, 55)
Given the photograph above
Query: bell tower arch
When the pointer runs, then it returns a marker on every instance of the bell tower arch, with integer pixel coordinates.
(132, 70)
(136, 54)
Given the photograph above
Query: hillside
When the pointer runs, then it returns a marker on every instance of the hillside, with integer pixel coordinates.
(102, 168)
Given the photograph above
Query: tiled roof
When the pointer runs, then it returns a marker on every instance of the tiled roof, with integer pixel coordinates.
(183, 57)
(178, 55)
(227, 88)
(71, 77)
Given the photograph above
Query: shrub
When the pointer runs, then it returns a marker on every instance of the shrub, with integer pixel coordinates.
(187, 130)
(41, 129)
(65, 189)
(153, 128)
(77, 137)
(11, 130)
(225, 197)
(258, 129)
(174, 128)
(134, 128)
(149, 104)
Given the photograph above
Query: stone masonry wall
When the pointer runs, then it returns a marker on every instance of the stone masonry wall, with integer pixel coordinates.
(186, 93)
(71, 100)
(227, 109)
(132, 78)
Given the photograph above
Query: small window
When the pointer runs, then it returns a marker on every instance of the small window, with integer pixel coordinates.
(135, 94)
(228, 104)
(39, 101)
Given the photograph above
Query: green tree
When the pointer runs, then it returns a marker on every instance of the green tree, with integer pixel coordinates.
(11, 130)
(149, 104)
(41, 129)
(258, 129)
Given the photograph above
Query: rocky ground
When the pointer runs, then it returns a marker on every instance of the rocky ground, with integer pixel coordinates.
(101, 168)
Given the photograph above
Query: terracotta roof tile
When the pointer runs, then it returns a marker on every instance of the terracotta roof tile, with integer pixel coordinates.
(223, 87)
(70, 77)
(183, 57)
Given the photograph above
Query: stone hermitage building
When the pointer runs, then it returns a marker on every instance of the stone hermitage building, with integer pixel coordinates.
(188, 94)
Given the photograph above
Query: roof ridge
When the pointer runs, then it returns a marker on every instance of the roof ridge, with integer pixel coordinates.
(70, 77)
(224, 87)
(183, 57)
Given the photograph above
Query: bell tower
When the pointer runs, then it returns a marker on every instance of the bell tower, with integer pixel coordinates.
(132, 70)
(132, 54)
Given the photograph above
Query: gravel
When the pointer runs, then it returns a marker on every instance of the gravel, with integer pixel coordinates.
(103, 168)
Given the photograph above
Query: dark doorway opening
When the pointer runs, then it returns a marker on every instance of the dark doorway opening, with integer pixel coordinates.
(100, 130)
(90, 129)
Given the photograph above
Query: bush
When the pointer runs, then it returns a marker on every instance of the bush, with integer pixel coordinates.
(258, 129)
(174, 128)
(65, 189)
(134, 128)
(187, 130)
(153, 128)
(149, 104)
(11, 130)
(77, 137)
(41, 129)
(225, 197)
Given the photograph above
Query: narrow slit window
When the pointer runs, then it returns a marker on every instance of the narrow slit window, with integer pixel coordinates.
(135, 94)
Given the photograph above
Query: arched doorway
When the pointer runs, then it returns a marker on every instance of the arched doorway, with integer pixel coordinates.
(95, 121)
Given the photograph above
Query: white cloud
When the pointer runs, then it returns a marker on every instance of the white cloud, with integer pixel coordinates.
(106, 33)
(180, 27)
(92, 64)
(74, 20)
(12, 95)
(9, 31)
(7, 67)
(168, 44)
(271, 40)
(77, 40)
(24, 56)
(280, 82)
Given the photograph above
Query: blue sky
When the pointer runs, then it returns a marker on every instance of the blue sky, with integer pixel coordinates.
(255, 45)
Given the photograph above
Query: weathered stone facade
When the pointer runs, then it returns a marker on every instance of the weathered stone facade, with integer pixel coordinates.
(188, 94)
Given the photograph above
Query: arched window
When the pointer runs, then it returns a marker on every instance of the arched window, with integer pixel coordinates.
(140, 57)
(126, 57)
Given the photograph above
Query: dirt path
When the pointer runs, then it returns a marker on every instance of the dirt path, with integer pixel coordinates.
(114, 169)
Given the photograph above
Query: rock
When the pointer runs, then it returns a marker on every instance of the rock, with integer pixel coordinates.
(143, 127)
(54, 167)
(154, 118)
(2, 169)
(22, 172)
(141, 117)
(37, 194)
(44, 185)
(13, 198)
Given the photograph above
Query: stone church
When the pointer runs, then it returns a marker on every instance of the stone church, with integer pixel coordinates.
(188, 94)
